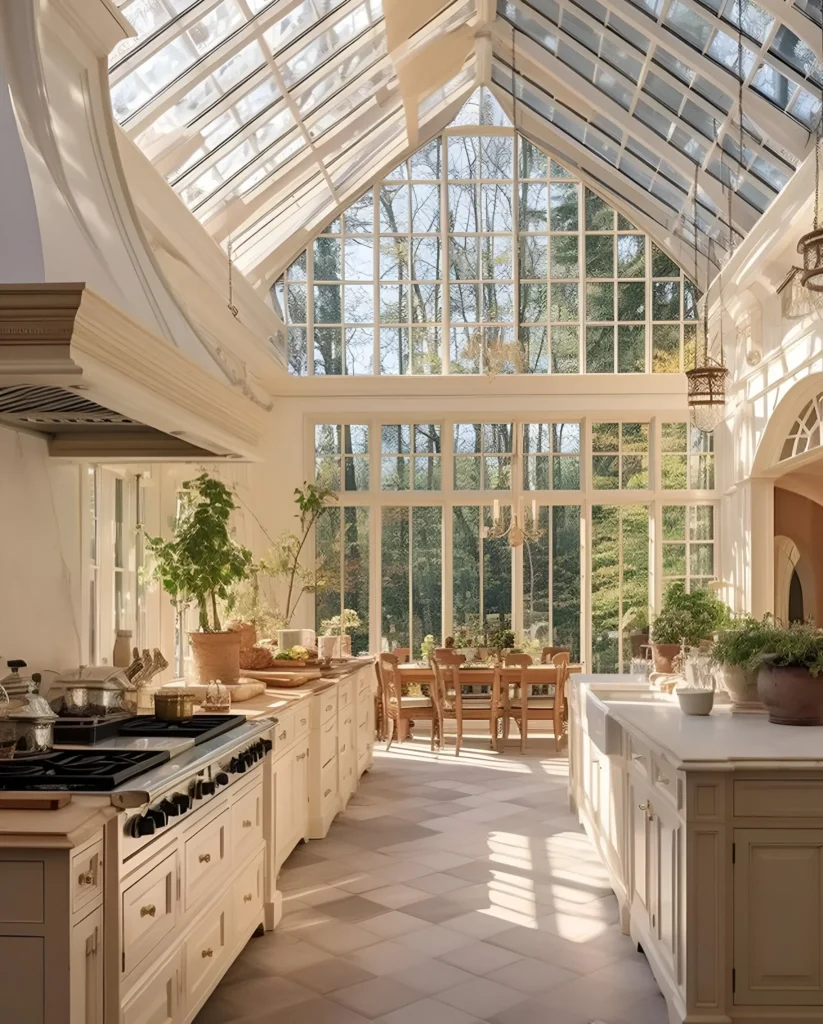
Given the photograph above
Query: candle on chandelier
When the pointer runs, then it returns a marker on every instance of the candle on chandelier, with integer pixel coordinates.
(496, 510)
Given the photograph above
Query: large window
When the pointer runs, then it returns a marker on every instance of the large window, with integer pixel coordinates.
(481, 567)
(551, 578)
(687, 458)
(482, 456)
(342, 560)
(411, 575)
(551, 456)
(688, 545)
(479, 254)
(410, 456)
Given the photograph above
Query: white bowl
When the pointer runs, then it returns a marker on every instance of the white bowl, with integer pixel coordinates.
(695, 701)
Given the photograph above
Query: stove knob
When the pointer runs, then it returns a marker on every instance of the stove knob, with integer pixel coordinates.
(157, 815)
(183, 801)
(238, 765)
(221, 779)
(267, 745)
(142, 826)
(197, 788)
(207, 787)
(170, 808)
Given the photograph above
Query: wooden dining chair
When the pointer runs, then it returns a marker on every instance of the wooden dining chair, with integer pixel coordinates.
(403, 654)
(400, 708)
(450, 703)
(528, 708)
(516, 708)
(548, 654)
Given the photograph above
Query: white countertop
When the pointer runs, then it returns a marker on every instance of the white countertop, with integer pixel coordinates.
(719, 738)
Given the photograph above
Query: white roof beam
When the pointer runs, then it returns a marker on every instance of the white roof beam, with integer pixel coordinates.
(803, 28)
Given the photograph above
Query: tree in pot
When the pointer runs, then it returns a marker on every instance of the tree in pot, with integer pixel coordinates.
(735, 656)
(203, 563)
(790, 662)
(686, 618)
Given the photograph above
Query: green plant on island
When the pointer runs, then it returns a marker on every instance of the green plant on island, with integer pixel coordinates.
(201, 562)
(296, 653)
(740, 644)
(798, 645)
(688, 617)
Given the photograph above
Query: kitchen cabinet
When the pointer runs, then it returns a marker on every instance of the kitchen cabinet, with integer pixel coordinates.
(291, 800)
(157, 1001)
(86, 982)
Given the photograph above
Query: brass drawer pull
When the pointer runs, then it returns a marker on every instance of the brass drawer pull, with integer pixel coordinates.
(204, 858)
(302, 721)
(300, 757)
(283, 735)
(329, 707)
(207, 952)
(343, 749)
(327, 792)
(663, 780)
(644, 806)
(86, 879)
(246, 823)
(248, 898)
(148, 911)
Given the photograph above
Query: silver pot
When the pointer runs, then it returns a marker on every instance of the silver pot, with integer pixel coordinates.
(173, 705)
(27, 726)
(86, 699)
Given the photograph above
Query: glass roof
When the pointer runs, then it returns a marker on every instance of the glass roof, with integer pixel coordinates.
(268, 116)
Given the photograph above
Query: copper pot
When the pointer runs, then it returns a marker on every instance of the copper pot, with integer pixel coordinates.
(173, 705)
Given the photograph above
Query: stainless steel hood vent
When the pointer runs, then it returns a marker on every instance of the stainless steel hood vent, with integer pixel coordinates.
(38, 407)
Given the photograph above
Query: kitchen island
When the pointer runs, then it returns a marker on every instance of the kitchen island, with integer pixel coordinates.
(128, 906)
(711, 830)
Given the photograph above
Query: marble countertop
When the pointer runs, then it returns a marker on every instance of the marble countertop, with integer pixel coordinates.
(720, 739)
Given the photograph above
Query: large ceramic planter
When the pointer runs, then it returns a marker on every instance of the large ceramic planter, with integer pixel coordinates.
(215, 656)
(741, 686)
(663, 656)
(791, 695)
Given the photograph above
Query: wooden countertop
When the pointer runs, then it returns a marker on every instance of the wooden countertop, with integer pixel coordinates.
(64, 828)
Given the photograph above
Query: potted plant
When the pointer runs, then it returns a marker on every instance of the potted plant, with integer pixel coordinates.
(735, 657)
(468, 639)
(203, 563)
(686, 618)
(790, 662)
(340, 625)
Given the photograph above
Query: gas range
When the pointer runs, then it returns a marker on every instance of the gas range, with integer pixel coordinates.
(198, 729)
(78, 771)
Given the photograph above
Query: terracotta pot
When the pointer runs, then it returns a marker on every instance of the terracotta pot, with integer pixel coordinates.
(791, 695)
(215, 656)
(663, 656)
(638, 638)
(741, 686)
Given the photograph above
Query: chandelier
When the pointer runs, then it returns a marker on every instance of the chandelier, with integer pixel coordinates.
(517, 531)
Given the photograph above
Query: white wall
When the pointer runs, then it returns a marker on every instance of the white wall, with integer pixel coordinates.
(40, 555)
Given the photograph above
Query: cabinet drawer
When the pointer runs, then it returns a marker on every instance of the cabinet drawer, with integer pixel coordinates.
(328, 741)
(283, 732)
(149, 912)
(301, 722)
(86, 876)
(366, 681)
(328, 784)
(345, 697)
(206, 858)
(247, 898)
(778, 799)
(204, 951)
(157, 1001)
(328, 704)
(246, 822)
(664, 777)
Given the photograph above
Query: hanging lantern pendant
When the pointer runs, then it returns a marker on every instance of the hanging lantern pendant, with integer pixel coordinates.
(707, 394)
(810, 245)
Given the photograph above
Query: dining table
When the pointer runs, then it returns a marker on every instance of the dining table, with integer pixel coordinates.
(477, 674)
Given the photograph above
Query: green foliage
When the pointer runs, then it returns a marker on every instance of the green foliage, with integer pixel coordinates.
(295, 653)
(689, 617)
(337, 625)
(201, 562)
(743, 642)
(799, 645)
(469, 635)
(281, 563)
(501, 640)
(427, 647)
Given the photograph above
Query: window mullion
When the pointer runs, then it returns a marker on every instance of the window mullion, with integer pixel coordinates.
(445, 268)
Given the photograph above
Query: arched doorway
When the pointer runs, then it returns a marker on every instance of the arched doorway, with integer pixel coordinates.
(794, 582)
(796, 612)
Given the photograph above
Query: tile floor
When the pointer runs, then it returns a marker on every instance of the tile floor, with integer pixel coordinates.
(452, 891)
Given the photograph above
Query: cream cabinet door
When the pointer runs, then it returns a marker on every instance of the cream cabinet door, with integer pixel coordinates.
(284, 771)
(87, 970)
(665, 832)
(157, 1001)
(301, 794)
(639, 859)
(778, 917)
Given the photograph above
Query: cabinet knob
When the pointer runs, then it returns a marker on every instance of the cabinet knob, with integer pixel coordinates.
(148, 911)
(248, 898)
(204, 858)
(246, 823)
(283, 735)
(663, 780)
(329, 707)
(206, 952)
(327, 792)
(86, 879)
(302, 721)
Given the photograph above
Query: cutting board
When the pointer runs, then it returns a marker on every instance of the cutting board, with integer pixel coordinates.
(290, 678)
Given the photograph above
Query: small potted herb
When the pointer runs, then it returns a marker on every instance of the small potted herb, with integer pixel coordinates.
(788, 679)
(735, 656)
(687, 618)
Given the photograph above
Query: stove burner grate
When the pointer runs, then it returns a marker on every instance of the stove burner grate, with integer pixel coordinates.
(199, 728)
(83, 771)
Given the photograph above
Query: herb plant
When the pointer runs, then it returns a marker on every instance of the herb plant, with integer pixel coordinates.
(689, 617)
(799, 645)
(741, 644)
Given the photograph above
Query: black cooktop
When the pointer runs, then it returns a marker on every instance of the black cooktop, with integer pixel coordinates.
(86, 731)
(199, 728)
(80, 771)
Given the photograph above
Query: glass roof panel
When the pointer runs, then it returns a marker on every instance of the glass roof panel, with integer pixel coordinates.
(272, 111)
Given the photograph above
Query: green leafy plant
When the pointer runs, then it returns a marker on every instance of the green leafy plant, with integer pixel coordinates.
(742, 642)
(501, 639)
(799, 645)
(295, 653)
(531, 646)
(688, 617)
(201, 562)
(469, 635)
(282, 562)
(427, 647)
(337, 625)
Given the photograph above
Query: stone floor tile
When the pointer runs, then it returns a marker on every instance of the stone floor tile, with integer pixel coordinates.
(434, 940)
(339, 939)
(377, 996)
(429, 1011)
(438, 882)
(481, 997)
(480, 958)
(394, 923)
(431, 976)
(530, 976)
(397, 896)
(330, 974)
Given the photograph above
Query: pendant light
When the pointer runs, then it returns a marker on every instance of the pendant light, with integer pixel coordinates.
(810, 245)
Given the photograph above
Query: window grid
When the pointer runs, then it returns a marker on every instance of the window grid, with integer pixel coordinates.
(483, 456)
(688, 545)
(342, 456)
(620, 456)
(94, 480)
(455, 264)
(551, 456)
(687, 460)
(410, 457)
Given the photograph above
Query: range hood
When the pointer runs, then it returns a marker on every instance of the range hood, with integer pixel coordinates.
(98, 385)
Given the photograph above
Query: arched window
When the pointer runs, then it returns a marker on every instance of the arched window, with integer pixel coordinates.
(805, 432)
(480, 254)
